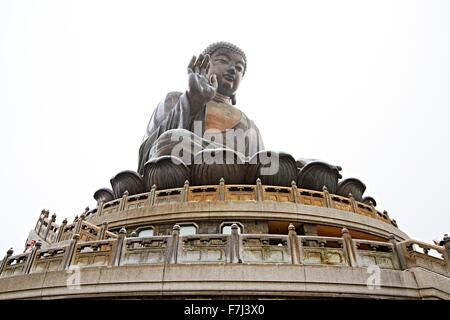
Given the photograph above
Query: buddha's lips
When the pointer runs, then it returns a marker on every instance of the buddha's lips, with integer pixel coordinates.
(228, 77)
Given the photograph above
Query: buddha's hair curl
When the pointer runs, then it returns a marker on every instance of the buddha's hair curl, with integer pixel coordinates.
(226, 45)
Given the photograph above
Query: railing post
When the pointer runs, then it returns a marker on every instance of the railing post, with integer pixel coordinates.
(259, 191)
(294, 190)
(234, 244)
(49, 226)
(349, 248)
(173, 254)
(447, 251)
(103, 228)
(293, 243)
(77, 228)
(31, 257)
(44, 215)
(123, 201)
(5, 260)
(352, 202)
(327, 196)
(100, 208)
(62, 227)
(374, 210)
(71, 250)
(39, 222)
(222, 189)
(120, 242)
(152, 195)
(186, 191)
(400, 259)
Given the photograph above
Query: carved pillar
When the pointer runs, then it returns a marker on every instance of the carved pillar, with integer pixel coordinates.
(70, 253)
(173, 249)
(78, 225)
(186, 191)
(352, 202)
(49, 226)
(100, 208)
(234, 244)
(293, 244)
(222, 189)
(39, 222)
(31, 257)
(5, 260)
(151, 198)
(259, 191)
(120, 242)
(327, 197)
(374, 210)
(123, 201)
(397, 253)
(294, 191)
(447, 251)
(61, 230)
(44, 215)
(103, 229)
(349, 248)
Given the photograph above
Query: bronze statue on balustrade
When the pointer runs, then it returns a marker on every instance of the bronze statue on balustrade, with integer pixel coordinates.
(201, 135)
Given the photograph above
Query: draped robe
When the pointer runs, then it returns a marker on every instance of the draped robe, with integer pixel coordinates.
(173, 116)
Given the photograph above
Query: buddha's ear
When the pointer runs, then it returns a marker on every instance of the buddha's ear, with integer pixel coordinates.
(233, 100)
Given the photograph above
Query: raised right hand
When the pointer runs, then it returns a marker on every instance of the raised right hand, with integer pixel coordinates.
(201, 89)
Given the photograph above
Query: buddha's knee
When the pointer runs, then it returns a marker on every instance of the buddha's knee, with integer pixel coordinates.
(165, 172)
(179, 143)
(273, 168)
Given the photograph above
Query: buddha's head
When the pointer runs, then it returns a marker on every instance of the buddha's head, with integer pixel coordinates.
(228, 63)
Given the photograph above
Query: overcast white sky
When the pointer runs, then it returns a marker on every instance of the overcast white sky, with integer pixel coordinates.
(361, 84)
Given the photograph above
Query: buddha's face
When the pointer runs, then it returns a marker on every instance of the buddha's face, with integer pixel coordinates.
(228, 66)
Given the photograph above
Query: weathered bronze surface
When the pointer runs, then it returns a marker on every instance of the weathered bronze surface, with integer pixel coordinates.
(189, 129)
(209, 103)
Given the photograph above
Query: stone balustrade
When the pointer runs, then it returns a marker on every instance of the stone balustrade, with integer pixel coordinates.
(229, 248)
(258, 192)
(419, 254)
(50, 232)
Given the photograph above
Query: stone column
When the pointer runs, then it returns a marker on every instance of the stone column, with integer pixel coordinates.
(31, 257)
(234, 244)
(77, 228)
(447, 251)
(186, 191)
(222, 189)
(151, 198)
(327, 197)
(293, 244)
(103, 229)
(349, 248)
(259, 191)
(397, 253)
(5, 260)
(173, 248)
(294, 190)
(49, 226)
(62, 227)
(123, 201)
(70, 253)
(120, 242)
(100, 208)
(352, 202)
(39, 222)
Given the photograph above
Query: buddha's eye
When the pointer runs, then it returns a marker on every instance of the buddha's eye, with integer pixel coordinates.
(239, 68)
